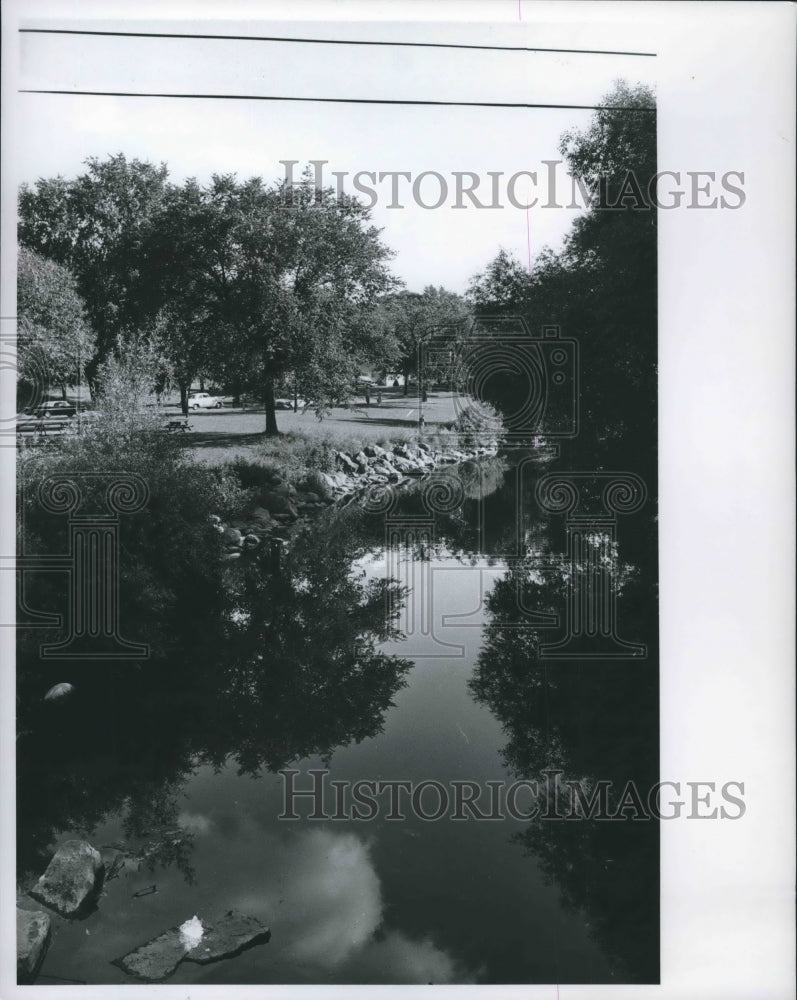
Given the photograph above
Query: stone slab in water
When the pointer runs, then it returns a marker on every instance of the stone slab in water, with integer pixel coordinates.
(71, 879)
(229, 936)
(194, 941)
(157, 959)
(33, 940)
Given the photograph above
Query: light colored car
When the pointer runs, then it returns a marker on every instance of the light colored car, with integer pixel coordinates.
(204, 401)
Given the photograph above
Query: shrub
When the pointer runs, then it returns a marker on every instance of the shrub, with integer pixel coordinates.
(167, 562)
(314, 482)
(254, 475)
(479, 422)
(294, 453)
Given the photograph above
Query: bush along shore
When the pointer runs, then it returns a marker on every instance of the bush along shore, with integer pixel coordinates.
(277, 504)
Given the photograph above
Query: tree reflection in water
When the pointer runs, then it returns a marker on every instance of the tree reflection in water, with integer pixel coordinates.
(271, 661)
(594, 720)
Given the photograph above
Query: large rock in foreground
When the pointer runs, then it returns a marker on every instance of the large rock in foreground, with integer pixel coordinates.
(229, 936)
(71, 880)
(33, 940)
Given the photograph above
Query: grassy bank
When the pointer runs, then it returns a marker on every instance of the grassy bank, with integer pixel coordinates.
(168, 541)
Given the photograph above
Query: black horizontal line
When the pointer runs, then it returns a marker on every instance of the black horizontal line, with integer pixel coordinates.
(333, 100)
(327, 41)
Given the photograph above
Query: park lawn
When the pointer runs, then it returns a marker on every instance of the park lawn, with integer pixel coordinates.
(217, 436)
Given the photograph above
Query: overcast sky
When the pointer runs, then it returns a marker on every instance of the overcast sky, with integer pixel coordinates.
(198, 137)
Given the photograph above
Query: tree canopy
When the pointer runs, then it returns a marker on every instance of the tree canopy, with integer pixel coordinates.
(54, 339)
(230, 280)
(407, 317)
(600, 287)
(94, 225)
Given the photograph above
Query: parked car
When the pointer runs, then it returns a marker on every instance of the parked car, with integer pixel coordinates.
(55, 408)
(203, 401)
(287, 404)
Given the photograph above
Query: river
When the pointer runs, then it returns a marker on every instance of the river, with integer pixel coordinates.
(318, 662)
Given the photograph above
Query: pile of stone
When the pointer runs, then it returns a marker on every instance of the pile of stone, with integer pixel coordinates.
(280, 504)
(69, 886)
(377, 465)
(272, 509)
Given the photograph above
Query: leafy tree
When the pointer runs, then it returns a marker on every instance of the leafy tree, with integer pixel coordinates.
(601, 286)
(128, 378)
(95, 225)
(406, 317)
(256, 290)
(503, 285)
(54, 339)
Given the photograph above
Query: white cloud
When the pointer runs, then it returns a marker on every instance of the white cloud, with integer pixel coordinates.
(193, 822)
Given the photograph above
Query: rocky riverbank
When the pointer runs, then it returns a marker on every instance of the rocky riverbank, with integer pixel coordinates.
(72, 885)
(279, 505)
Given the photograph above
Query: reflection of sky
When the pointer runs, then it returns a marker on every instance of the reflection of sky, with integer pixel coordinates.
(317, 887)
(329, 901)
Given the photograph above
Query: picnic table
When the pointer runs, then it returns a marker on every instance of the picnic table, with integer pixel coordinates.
(34, 429)
(42, 425)
(178, 425)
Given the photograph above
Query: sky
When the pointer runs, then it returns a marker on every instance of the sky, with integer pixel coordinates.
(442, 245)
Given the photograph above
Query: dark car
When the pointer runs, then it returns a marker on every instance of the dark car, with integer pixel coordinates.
(55, 408)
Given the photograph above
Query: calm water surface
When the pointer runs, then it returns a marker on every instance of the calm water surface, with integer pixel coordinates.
(187, 760)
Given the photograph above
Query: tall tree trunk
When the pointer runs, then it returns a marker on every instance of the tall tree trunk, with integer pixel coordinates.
(201, 385)
(63, 392)
(406, 373)
(236, 393)
(271, 409)
(91, 369)
(184, 398)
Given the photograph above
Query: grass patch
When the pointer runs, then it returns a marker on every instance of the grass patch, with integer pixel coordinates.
(294, 452)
